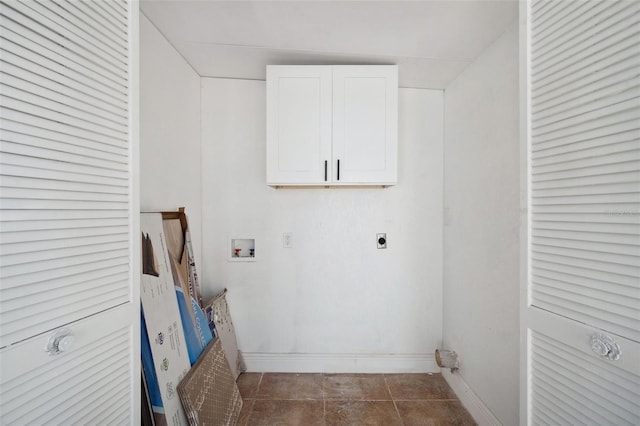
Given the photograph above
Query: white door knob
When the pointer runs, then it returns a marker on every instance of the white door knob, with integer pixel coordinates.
(60, 341)
(605, 347)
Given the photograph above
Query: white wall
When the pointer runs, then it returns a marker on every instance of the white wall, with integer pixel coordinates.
(481, 242)
(170, 173)
(333, 302)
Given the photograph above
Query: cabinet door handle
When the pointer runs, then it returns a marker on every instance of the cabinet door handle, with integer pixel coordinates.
(325, 170)
(338, 169)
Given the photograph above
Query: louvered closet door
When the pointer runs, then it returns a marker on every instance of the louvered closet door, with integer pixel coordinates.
(68, 213)
(582, 309)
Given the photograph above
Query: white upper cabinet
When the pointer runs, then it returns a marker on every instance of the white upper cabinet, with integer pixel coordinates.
(332, 125)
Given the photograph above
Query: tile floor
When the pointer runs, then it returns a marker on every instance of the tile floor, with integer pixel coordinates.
(349, 399)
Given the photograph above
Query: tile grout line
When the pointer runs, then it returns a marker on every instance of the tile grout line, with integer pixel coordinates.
(255, 395)
(324, 402)
(393, 400)
(253, 401)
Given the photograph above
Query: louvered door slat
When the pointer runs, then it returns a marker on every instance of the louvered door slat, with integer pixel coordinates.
(26, 183)
(613, 248)
(13, 131)
(64, 194)
(28, 43)
(583, 88)
(581, 73)
(579, 34)
(47, 292)
(69, 233)
(625, 229)
(607, 172)
(93, 277)
(69, 156)
(621, 143)
(626, 124)
(103, 37)
(118, 7)
(17, 87)
(55, 142)
(70, 165)
(584, 274)
(94, 21)
(550, 13)
(621, 239)
(576, 25)
(628, 90)
(627, 38)
(57, 263)
(44, 22)
(51, 72)
(47, 214)
(582, 289)
(50, 124)
(605, 116)
(612, 264)
(30, 104)
(67, 271)
(44, 225)
(110, 12)
(619, 177)
(602, 189)
(600, 165)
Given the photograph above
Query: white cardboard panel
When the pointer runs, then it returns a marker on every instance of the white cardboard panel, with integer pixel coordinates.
(164, 326)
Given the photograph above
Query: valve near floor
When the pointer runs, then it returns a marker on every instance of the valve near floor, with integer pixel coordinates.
(447, 359)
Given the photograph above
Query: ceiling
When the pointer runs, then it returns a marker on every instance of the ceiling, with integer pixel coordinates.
(431, 41)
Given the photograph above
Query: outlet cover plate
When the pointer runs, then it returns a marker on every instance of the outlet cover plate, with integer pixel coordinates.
(287, 240)
(381, 240)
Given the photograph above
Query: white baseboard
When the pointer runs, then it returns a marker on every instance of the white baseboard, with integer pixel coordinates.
(339, 363)
(478, 410)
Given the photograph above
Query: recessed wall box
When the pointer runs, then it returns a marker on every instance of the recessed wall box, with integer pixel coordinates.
(242, 249)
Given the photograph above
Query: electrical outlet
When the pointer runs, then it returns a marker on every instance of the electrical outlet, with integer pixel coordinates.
(287, 240)
(381, 240)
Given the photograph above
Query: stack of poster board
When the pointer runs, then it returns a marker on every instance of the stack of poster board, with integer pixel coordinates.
(174, 329)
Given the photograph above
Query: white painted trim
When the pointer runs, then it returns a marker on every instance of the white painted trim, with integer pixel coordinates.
(525, 211)
(474, 405)
(339, 363)
(135, 242)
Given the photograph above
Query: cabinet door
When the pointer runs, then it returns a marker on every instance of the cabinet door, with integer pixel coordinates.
(365, 122)
(298, 125)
